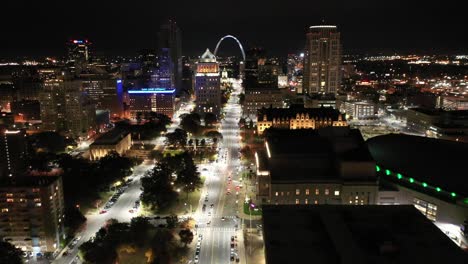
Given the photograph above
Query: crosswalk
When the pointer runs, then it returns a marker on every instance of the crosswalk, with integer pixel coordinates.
(217, 229)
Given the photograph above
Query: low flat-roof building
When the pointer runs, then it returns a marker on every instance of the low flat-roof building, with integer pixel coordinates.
(115, 140)
(427, 173)
(326, 166)
(333, 234)
(32, 213)
(298, 117)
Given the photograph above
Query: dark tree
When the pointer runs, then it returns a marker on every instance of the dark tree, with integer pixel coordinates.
(214, 134)
(177, 138)
(191, 123)
(188, 177)
(49, 142)
(210, 119)
(172, 221)
(163, 245)
(10, 254)
(73, 220)
(186, 236)
(158, 191)
(156, 154)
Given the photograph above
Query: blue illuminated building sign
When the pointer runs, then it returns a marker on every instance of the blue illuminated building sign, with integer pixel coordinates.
(152, 91)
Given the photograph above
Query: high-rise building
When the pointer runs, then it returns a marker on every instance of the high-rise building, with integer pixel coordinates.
(145, 100)
(169, 37)
(208, 84)
(13, 152)
(66, 106)
(78, 51)
(163, 75)
(322, 60)
(255, 56)
(32, 213)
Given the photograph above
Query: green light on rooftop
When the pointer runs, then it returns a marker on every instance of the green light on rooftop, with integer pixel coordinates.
(424, 184)
(388, 172)
(438, 189)
(399, 176)
(377, 168)
(453, 194)
(411, 180)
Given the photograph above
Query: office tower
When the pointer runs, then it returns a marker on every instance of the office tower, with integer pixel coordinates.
(52, 100)
(163, 76)
(322, 60)
(65, 106)
(32, 213)
(78, 54)
(255, 56)
(169, 37)
(145, 100)
(208, 84)
(13, 152)
(78, 51)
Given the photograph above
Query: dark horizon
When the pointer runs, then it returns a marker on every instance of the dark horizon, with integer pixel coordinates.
(117, 28)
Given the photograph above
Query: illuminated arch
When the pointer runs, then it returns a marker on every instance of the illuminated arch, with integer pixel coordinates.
(238, 43)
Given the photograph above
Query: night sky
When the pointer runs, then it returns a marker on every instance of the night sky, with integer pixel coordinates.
(33, 28)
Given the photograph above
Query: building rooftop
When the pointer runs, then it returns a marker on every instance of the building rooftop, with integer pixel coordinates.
(28, 181)
(111, 138)
(354, 234)
(305, 155)
(434, 162)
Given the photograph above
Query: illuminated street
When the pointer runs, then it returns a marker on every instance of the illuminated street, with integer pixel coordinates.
(119, 210)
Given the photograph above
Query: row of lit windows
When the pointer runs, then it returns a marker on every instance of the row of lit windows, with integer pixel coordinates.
(307, 192)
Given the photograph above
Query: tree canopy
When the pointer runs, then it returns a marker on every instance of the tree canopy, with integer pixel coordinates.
(10, 254)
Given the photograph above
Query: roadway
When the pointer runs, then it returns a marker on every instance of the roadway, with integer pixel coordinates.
(218, 224)
(121, 208)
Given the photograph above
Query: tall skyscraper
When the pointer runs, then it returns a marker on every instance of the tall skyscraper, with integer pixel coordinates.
(169, 37)
(13, 152)
(322, 60)
(78, 54)
(208, 84)
(78, 51)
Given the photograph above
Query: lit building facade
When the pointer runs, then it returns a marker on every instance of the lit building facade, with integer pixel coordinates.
(32, 213)
(208, 84)
(322, 60)
(298, 117)
(326, 166)
(359, 110)
(257, 98)
(114, 140)
(145, 100)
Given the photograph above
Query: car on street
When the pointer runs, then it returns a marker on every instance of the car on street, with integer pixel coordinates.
(223, 218)
(102, 211)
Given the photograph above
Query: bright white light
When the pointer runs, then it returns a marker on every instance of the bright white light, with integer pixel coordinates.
(268, 149)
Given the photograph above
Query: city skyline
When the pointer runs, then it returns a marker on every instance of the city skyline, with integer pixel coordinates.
(279, 28)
